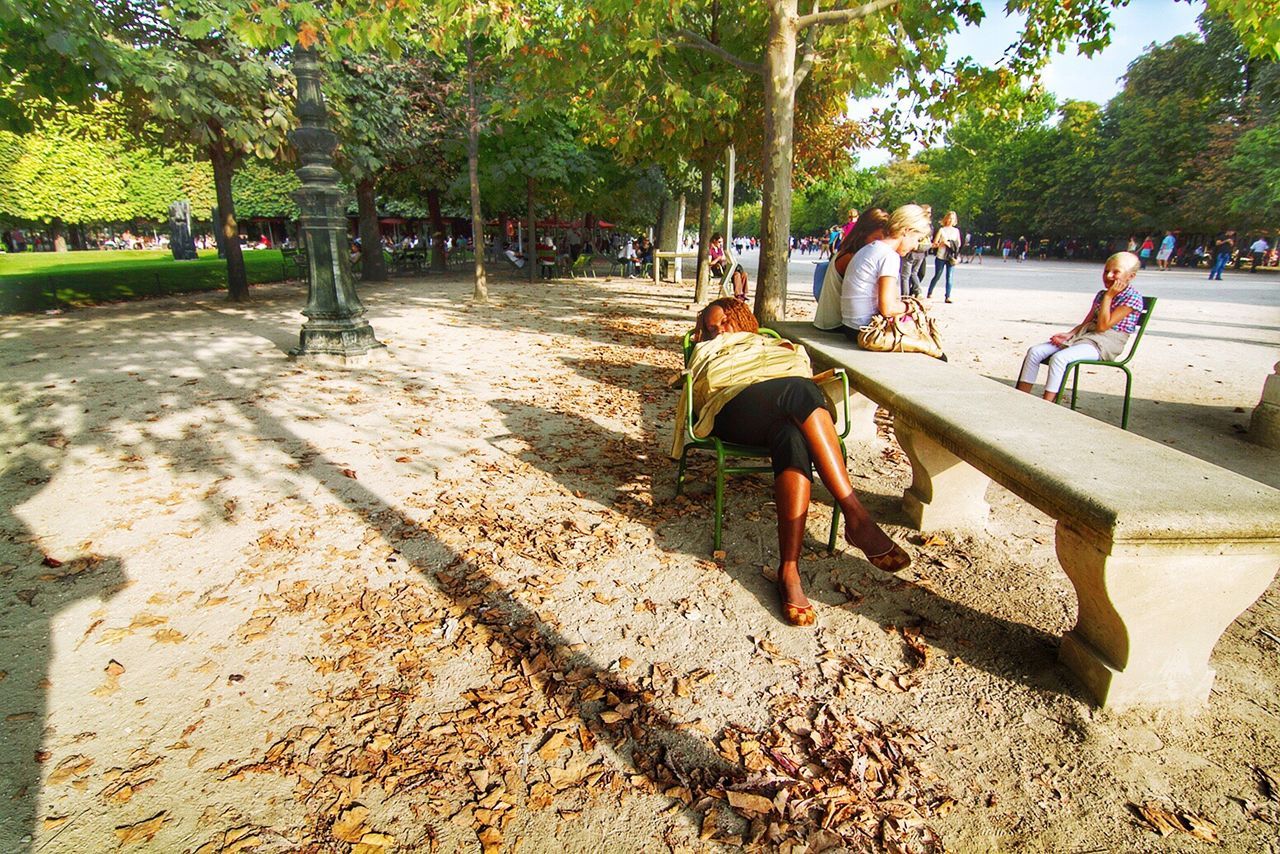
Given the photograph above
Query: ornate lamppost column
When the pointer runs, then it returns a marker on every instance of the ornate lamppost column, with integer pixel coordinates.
(336, 330)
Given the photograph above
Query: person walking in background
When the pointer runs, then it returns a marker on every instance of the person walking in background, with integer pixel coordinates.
(1006, 249)
(1166, 250)
(1023, 246)
(946, 248)
(849, 223)
(1259, 249)
(912, 276)
(1144, 254)
(1222, 249)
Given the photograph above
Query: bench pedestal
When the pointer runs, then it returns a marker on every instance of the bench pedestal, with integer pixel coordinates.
(862, 418)
(945, 492)
(1150, 613)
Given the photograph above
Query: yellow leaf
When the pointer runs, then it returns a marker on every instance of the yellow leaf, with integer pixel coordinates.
(143, 831)
(349, 826)
(749, 803)
(374, 843)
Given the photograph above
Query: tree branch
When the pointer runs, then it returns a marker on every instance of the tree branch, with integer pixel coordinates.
(810, 52)
(840, 16)
(688, 38)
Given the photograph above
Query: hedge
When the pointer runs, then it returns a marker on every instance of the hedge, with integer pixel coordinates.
(37, 281)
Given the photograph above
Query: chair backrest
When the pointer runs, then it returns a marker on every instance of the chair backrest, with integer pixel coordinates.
(1148, 306)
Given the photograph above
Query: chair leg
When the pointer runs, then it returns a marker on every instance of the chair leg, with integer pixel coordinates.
(1128, 386)
(1074, 370)
(680, 471)
(835, 507)
(719, 500)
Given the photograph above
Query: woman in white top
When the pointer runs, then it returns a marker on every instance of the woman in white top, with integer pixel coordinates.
(871, 280)
(946, 247)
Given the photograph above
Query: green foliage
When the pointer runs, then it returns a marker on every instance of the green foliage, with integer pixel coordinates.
(827, 201)
(38, 281)
(75, 169)
(261, 189)
(1255, 167)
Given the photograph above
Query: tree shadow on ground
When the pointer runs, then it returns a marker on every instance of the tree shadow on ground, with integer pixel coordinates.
(558, 442)
(184, 375)
(42, 586)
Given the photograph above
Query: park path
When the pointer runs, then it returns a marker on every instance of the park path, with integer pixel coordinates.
(447, 602)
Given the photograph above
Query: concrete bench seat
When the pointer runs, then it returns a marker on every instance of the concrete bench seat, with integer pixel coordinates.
(1164, 550)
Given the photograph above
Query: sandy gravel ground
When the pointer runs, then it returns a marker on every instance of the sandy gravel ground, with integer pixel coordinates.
(448, 602)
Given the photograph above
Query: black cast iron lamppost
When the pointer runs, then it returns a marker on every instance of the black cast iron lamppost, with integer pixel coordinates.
(335, 331)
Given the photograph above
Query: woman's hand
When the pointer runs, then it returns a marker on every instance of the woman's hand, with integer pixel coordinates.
(1061, 339)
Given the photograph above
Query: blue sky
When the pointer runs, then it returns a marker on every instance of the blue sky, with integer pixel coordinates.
(1070, 75)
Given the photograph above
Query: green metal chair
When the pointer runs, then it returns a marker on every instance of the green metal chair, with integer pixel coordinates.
(581, 267)
(724, 450)
(1073, 370)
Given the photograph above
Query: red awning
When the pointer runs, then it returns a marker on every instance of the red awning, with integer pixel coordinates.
(391, 220)
(602, 224)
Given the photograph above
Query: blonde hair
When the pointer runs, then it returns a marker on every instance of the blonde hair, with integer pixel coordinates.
(909, 218)
(1129, 262)
(950, 218)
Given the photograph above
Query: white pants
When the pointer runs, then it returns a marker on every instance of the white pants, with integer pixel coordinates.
(1058, 358)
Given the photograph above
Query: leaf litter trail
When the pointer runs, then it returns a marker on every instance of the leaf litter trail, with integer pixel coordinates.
(449, 603)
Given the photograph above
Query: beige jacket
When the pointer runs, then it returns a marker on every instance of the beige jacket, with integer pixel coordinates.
(727, 364)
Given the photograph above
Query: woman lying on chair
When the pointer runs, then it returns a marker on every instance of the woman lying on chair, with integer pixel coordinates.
(752, 390)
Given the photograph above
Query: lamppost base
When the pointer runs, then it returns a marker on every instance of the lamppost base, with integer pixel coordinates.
(339, 344)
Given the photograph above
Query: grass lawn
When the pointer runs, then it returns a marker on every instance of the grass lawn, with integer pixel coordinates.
(34, 281)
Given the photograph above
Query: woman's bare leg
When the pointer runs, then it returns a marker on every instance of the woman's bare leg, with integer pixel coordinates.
(1021, 386)
(791, 490)
(860, 529)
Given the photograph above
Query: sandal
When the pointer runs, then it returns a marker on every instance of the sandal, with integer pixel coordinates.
(895, 559)
(796, 615)
(892, 559)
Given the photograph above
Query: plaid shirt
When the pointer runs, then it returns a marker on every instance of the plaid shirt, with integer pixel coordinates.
(1129, 297)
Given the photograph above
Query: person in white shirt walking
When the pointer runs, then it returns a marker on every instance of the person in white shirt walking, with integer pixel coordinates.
(1259, 249)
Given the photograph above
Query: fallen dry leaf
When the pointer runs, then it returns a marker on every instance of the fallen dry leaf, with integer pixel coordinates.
(350, 824)
(143, 831)
(349, 473)
(749, 803)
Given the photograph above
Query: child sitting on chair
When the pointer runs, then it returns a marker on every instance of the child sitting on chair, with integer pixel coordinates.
(1114, 316)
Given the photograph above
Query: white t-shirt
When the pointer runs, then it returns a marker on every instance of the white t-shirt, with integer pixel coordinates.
(860, 295)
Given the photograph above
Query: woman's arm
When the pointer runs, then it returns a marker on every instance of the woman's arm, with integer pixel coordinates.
(888, 298)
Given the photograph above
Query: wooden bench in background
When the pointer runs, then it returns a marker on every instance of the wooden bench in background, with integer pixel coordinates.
(1164, 550)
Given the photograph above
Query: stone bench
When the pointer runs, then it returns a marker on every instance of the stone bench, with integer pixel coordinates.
(1164, 550)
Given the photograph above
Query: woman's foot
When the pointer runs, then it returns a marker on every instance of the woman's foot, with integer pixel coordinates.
(796, 608)
(881, 551)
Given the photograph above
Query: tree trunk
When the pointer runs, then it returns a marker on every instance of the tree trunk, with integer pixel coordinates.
(702, 293)
(438, 260)
(500, 240)
(531, 236)
(480, 293)
(373, 267)
(779, 117)
(224, 166)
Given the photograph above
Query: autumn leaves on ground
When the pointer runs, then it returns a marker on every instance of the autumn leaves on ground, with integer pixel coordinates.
(448, 602)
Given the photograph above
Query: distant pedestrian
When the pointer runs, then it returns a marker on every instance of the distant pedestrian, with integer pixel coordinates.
(1147, 250)
(1166, 250)
(946, 248)
(1023, 246)
(1259, 249)
(1222, 249)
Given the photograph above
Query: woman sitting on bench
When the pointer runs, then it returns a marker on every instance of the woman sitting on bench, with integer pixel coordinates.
(758, 396)
(1114, 316)
(872, 225)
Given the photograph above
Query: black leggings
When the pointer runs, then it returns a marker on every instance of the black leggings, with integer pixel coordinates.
(768, 414)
